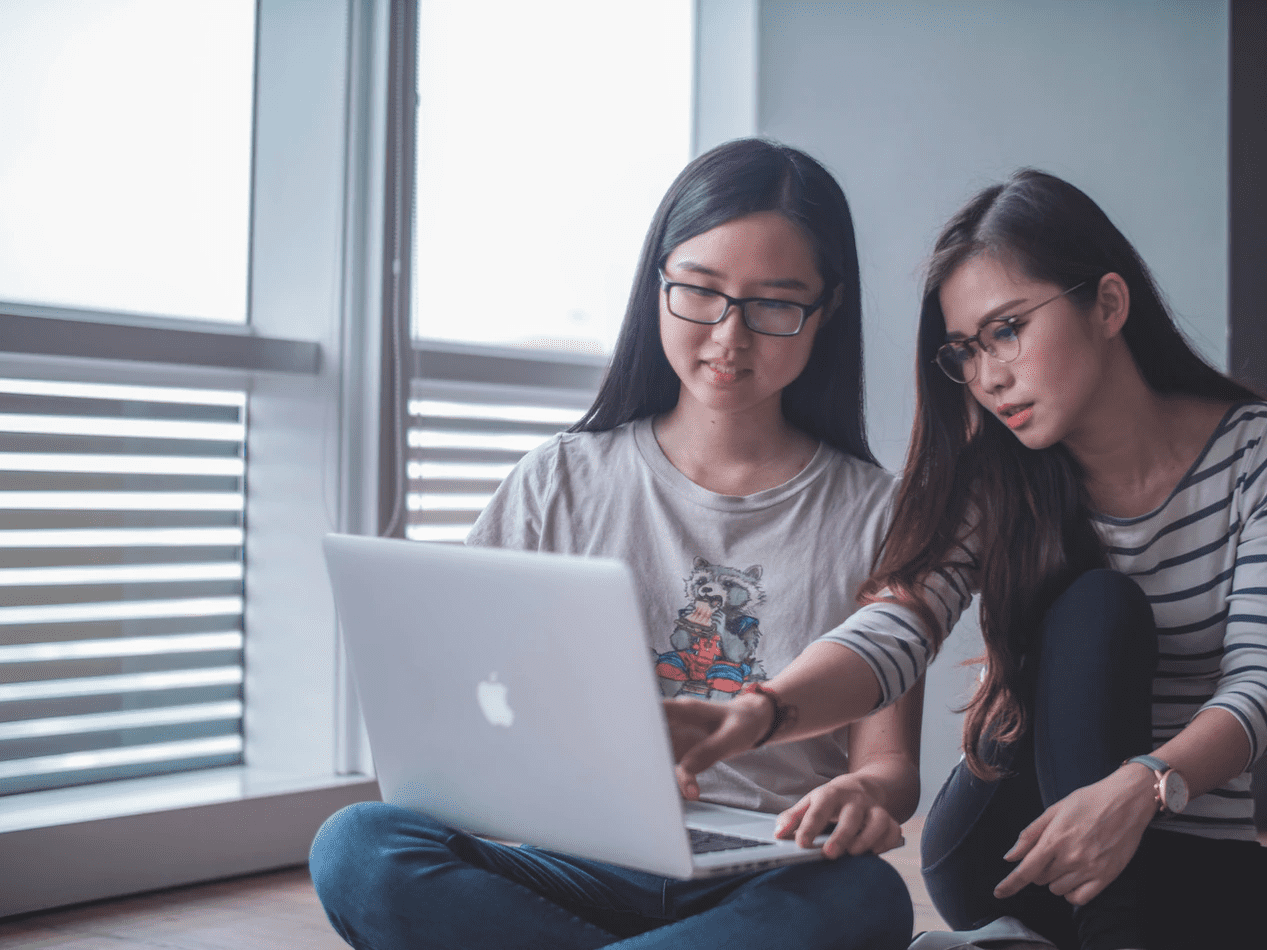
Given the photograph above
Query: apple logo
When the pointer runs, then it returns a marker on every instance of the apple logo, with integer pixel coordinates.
(491, 695)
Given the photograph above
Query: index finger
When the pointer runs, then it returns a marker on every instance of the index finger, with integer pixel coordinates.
(1024, 874)
(731, 735)
(690, 721)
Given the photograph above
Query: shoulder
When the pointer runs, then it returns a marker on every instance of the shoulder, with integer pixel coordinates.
(1241, 444)
(1231, 472)
(1240, 441)
(574, 458)
(1245, 422)
(866, 483)
(557, 476)
(578, 450)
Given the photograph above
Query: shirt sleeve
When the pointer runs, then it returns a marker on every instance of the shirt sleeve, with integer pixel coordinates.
(513, 518)
(893, 638)
(1242, 686)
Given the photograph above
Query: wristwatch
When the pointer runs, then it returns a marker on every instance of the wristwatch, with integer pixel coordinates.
(1171, 789)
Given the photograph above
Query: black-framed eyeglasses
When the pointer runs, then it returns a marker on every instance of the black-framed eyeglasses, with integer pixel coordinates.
(760, 314)
(1000, 338)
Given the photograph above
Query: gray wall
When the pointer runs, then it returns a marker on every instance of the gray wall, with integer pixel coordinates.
(916, 104)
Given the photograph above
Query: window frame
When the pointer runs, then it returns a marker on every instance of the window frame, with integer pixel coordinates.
(309, 359)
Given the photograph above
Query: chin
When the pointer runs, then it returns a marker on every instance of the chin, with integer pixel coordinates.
(1036, 440)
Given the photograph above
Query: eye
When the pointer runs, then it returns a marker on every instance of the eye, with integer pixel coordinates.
(960, 351)
(1006, 332)
(777, 307)
(699, 293)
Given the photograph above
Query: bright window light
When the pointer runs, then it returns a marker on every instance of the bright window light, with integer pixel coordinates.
(547, 134)
(121, 646)
(113, 758)
(436, 439)
(120, 464)
(119, 574)
(116, 391)
(125, 175)
(500, 413)
(122, 610)
(120, 501)
(134, 719)
(122, 537)
(121, 683)
(459, 471)
(437, 532)
(122, 428)
(455, 502)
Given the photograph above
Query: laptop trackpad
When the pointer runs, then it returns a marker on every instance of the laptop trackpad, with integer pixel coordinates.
(731, 821)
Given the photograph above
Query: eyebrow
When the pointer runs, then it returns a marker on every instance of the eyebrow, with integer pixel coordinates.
(997, 313)
(776, 283)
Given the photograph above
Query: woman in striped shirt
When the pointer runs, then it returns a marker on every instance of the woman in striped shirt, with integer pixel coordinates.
(1105, 492)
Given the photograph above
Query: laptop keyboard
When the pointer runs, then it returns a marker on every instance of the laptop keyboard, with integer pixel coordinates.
(703, 842)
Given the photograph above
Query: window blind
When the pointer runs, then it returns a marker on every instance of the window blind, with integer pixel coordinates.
(463, 438)
(121, 555)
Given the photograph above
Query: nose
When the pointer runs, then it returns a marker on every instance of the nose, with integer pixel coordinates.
(731, 330)
(992, 376)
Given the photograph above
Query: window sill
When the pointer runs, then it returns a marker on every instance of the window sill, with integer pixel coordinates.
(73, 845)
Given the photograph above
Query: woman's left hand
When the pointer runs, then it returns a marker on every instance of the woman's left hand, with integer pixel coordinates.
(862, 824)
(1081, 843)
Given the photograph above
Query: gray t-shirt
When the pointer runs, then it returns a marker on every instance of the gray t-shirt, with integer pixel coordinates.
(733, 588)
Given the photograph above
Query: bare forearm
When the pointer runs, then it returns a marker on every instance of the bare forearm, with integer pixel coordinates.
(1209, 752)
(893, 782)
(826, 687)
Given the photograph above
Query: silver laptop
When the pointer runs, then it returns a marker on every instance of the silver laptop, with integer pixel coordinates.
(512, 695)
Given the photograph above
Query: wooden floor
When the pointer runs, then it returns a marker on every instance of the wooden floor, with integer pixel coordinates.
(264, 912)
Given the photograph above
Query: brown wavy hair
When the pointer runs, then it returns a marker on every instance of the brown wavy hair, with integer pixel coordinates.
(1033, 534)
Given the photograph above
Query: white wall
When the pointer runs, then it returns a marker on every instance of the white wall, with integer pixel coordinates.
(915, 104)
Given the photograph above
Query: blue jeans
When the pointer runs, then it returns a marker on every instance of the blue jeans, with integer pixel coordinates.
(391, 879)
(1092, 709)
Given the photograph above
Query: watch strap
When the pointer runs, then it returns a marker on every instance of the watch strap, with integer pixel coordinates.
(1160, 766)
(1161, 771)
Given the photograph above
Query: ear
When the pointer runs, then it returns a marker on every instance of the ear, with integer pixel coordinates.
(1113, 302)
(829, 308)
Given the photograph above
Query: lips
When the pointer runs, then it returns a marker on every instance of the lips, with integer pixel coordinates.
(1015, 415)
(724, 373)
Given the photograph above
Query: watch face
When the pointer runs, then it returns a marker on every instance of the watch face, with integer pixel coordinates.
(1174, 792)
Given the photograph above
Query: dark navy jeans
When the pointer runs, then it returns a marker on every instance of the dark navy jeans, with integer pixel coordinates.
(1092, 710)
(392, 879)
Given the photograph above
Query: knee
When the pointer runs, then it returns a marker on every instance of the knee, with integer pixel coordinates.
(872, 900)
(886, 892)
(352, 849)
(1102, 609)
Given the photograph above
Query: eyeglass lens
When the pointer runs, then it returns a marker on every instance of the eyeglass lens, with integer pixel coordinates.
(959, 360)
(763, 316)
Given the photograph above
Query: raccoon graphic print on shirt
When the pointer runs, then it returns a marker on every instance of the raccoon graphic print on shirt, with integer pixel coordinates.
(716, 635)
(732, 588)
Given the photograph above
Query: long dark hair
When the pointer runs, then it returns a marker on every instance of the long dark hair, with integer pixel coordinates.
(1033, 531)
(731, 181)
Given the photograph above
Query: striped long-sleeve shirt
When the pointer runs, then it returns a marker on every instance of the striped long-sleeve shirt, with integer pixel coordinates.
(1201, 559)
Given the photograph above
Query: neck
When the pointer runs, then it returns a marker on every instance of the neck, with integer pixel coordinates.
(733, 454)
(1134, 444)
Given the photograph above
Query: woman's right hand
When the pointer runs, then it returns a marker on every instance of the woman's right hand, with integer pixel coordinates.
(704, 733)
(862, 824)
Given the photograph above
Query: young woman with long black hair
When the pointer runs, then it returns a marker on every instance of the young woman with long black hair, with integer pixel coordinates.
(1105, 491)
(725, 460)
